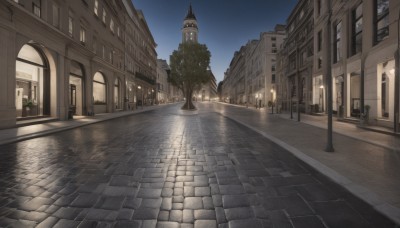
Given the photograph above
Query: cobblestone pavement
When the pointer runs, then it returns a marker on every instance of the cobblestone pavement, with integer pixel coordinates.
(200, 170)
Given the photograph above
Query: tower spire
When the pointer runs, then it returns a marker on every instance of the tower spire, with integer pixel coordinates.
(190, 14)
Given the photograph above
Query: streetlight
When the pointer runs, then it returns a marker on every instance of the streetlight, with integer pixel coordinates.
(141, 95)
(272, 100)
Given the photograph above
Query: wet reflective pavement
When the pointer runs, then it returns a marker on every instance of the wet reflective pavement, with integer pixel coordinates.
(168, 168)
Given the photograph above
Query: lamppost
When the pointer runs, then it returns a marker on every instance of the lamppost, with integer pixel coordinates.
(272, 100)
(329, 144)
(141, 96)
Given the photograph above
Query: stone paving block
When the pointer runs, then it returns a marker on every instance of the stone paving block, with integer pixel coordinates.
(169, 185)
(125, 214)
(151, 203)
(178, 191)
(178, 199)
(65, 223)
(126, 224)
(110, 203)
(193, 203)
(163, 216)
(205, 224)
(67, 213)
(85, 200)
(231, 189)
(166, 204)
(307, 221)
(220, 215)
(188, 191)
(35, 203)
(120, 191)
(149, 193)
(187, 216)
(149, 223)
(278, 218)
(253, 223)
(231, 201)
(48, 222)
(186, 225)
(217, 200)
(202, 191)
(168, 225)
(204, 214)
(208, 202)
(132, 202)
(184, 178)
(101, 215)
(175, 215)
(239, 213)
(146, 213)
(177, 206)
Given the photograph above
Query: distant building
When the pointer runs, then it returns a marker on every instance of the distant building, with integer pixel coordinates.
(251, 76)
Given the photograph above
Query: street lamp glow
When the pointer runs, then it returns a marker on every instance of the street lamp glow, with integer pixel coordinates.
(139, 87)
(321, 86)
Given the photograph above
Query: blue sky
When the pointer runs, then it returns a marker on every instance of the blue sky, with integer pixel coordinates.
(224, 25)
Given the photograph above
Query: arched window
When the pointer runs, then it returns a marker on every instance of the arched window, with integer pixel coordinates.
(32, 83)
(99, 89)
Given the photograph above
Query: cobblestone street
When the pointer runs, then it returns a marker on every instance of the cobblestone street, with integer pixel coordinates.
(168, 168)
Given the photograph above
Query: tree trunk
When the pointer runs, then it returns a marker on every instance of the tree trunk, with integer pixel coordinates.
(188, 104)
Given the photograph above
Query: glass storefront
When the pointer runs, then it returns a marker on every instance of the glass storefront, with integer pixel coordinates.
(117, 97)
(32, 83)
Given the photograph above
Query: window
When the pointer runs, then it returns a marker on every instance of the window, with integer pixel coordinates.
(318, 7)
(356, 39)
(382, 20)
(319, 44)
(36, 7)
(82, 35)
(56, 15)
(71, 25)
(99, 89)
(273, 38)
(112, 25)
(337, 52)
(273, 67)
(96, 7)
(273, 78)
(104, 16)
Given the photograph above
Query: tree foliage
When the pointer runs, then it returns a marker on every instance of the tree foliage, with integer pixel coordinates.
(189, 69)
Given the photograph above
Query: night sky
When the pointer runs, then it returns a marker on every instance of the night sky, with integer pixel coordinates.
(224, 25)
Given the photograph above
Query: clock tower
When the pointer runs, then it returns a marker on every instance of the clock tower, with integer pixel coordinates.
(190, 30)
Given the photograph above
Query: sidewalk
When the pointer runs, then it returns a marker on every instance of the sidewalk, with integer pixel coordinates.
(366, 163)
(17, 134)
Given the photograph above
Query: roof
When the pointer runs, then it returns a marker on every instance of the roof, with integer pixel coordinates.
(190, 14)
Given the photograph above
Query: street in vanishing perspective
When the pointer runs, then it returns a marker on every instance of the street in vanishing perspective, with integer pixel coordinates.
(187, 169)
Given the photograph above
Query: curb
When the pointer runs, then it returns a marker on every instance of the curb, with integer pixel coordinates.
(391, 212)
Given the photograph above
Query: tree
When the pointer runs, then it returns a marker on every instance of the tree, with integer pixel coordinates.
(189, 69)
(219, 90)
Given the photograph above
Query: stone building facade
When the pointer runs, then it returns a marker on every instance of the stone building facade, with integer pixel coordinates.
(65, 58)
(365, 41)
(251, 76)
